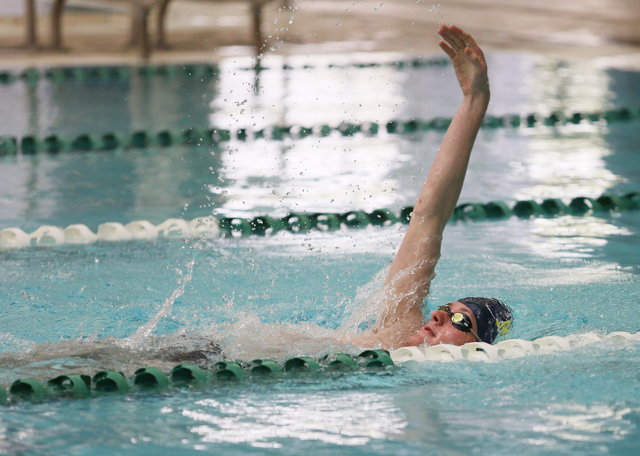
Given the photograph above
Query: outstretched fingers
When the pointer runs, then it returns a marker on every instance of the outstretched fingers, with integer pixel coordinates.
(452, 39)
(448, 50)
(463, 36)
(467, 57)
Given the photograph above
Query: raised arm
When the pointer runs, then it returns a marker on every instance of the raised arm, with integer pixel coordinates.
(410, 274)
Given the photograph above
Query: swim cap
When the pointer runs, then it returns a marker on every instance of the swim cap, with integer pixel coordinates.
(493, 317)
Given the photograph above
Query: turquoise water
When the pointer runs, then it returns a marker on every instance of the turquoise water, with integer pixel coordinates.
(86, 308)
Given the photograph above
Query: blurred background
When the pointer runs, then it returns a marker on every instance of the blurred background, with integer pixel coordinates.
(95, 31)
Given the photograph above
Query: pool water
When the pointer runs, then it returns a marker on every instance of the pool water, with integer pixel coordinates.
(113, 305)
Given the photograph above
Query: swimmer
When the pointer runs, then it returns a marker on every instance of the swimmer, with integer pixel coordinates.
(407, 283)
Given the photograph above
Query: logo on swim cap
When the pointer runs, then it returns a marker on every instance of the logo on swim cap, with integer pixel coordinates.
(503, 327)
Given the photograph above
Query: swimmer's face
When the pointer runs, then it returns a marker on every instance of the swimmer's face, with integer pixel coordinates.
(439, 330)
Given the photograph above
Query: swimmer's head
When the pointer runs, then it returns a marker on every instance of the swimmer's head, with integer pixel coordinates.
(463, 321)
(493, 317)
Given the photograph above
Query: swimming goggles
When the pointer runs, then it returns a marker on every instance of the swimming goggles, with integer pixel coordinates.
(460, 321)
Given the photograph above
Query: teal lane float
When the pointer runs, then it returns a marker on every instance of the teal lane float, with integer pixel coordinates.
(188, 375)
(195, 70)
(54, 144)
(150, 379)
(108, 74)
(231, 227)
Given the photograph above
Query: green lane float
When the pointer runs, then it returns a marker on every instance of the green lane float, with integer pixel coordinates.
(376, 358)
(265, 225)
(150, 377)
(192, 375)
(497, 210)
(210, 227)
(554, 207)
(27, 388)
(106, 74)
(229, 370)
(469, 211)
(71, 385)
(583, 205)
(405, 214)
(112, 141)
(325, 222)
(613, 203)
(265, 367)
(53, 144)
(189, 373)
(382, 217)
(109, 74)
(139, 140)
(31, 144)
(301, 363)
(110, 382)
(85, 143)
(339, 361)
(8, 146)
(527, 209)
(297, 222)
(355, 219)
(235, 226)
(632, 200)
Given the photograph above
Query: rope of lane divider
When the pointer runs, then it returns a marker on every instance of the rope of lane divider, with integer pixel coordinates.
(109, 74)
(151, 378)
(194, 70)
(187, 374)
(213, 227)
(32, 144)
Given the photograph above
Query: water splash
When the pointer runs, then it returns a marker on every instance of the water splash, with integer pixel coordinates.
(433, 8)
(145, 330)
(249, 337)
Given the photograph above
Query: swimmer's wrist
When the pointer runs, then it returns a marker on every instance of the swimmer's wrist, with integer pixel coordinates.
(478, 97)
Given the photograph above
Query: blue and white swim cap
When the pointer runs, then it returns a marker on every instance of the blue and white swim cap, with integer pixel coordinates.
(494, 318)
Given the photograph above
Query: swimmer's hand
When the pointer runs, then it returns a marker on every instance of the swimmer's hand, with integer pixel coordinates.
(467, 58)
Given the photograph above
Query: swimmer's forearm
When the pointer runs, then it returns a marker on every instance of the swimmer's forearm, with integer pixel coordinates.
(420, 247)
(439, 196)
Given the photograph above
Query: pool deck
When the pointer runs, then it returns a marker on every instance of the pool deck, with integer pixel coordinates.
(607, 31)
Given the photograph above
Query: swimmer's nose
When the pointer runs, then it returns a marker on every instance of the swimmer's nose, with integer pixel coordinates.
(439, 317)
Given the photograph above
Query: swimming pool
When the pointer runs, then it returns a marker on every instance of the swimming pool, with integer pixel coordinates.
(87, 308)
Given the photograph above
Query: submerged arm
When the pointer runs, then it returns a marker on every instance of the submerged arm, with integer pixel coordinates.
(410, 274)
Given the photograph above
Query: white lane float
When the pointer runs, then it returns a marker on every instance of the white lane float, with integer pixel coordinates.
(207, 227)
(13, 238)
(113, 231)
(79, 234)
(142, 230)
(47, 236)
(507, 349)
(174, 228)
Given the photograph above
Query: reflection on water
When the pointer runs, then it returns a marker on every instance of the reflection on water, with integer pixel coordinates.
(333, 173)
(572, 237)
(567, 165)
(597, 423)
(353, 418)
